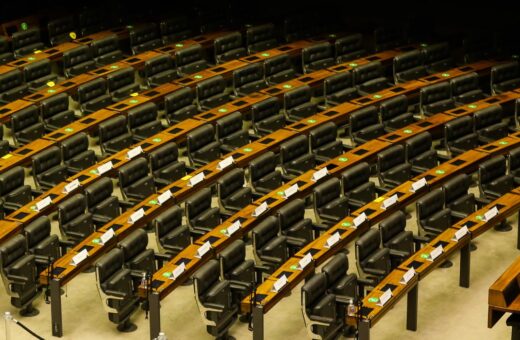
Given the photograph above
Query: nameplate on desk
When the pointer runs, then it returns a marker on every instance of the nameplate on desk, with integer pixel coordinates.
(203, 249)
(316, 176)
(389, 202)
(360, 219)
(43, 203)
(136, 216)
(107, 236)
(408, 276)
(490, 213)
(164, 197)
(418, 184)
(280, 283)
(332, 240)
(225, 163)
(104, 168)
(435, 253)
(79, 257)
(233, 228)
(178, 271)
(460, 233)
(305, 261)
(134, 152)
(290, 191)
(71, 186)
(385, 297)
(260, 209)
(196, 179)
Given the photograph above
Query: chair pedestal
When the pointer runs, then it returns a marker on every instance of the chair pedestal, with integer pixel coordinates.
(29, 311)
(126, 327)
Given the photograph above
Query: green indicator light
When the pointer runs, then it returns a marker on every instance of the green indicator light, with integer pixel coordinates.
(353, 64)
(373, 299)
(287, 86)
(129, 26)
(311, 121)
(346, 224)
(424, 45)
(293, 267)
(152, 202)
(96, 241)
(198, 76)
(93, 171)
(472, 106)
(167, 274)
(343, 159)
(33, 207)
(378, 96)
(69, 129)
(279, 193)
(503, 142)
(265, 54)
(332, 35)
(51, 90)
(179, 45)
(222, 231)
(425, 256)
(222, 110)
(156, 140)
(248, 149)
(445, 75)
(114, 66)
(408, 131)
(24, 26)
(133, 101)
(479, 217)
(31, 58)
(440, 172)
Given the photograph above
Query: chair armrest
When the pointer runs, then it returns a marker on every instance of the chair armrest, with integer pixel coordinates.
(482, 201)
(398, 253)
(381, 190)
(17, 279)
(161, 258)
(214, 307)
(115, 293)
(457, 215)
(374, 271)
(36, 192)
(418, 240)
(126, 204)
(322, 320)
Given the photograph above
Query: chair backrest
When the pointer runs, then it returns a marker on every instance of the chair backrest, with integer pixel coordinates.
(205, 278)
(38, 69)
(294, 148)
(491, 169)
(335, 269)
(168, 220)
(23, 38)
(430, 203)
(198, 203)
(133, 244)
(323, 134)
(317, 52)
(348, 44)
(157, 64)
(230, 182)
(248, 74)
(434, 93)
(109, 264)
(456, 187)
(98, 191)
(262, 165)
(337, 82)
(12, 250)
(458, 128)
(37, 231)
(265, 109)
(392, 226)
(296, 97)
(390, 158)
(277, 64)
(514, 160)
(120, 78)
(133, 171)
(260, 37)
(92, 89)
(53, 105)
(210, 87)
(77, 56)
(393, 107)
(313, 290)
(228, 125)
(46, 160)
(232, 256)
(166, 154)
(363, 118)
(291, 213)
(24, 118)
(11, 180)
(178, 99)
(367, 72)
(355, 176)
(200, 137)
(74, 145)
(326, 192)
(59, 29)
(408, 61)
(142, 114)
(10, 80)
(264, 232)
(367, 244)
(464, 83)
(487, 116)
(418, 144)
(189, 55)
(72, 208)
(504, 72)
(103, 46)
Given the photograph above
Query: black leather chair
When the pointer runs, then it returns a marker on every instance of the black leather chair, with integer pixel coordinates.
(159, 70)
(229, 47)
(323, 142)
(171, 235)
(432, 217)
(200, 215)
(143, 122)
(269, 248)
(392, 168)
(263, 174)
(409, 66)
(233, 195)
(297, 229)
(40, 243)
(55, 112)
(357, 187)
(190, 60)
(137, 257)
(26, 42)
(419, 153)
(76, 154)
(266, 117)
(135, 181)
(505, 77)
(373, 262)
(14, 194)
(329, 206)
(47, 168)
(230, 133)
(144, 37)
(74, 219)
(121, 84)
(492, 178)
(396, 238)
(514, 164)
(320, 311)
(248, 79)
(26, 126)
(12, 86)
(457, 197)
(77, 61)
(18, 271)
(436, 98)
(370, 78)
(202, 146)
(459, 135)
(437, 57)
(278, 69)
(260, 38)
(344, 286)
(489, 125)
(59, 30)
(38, 74)
(317, 57)
(5, 51)
(93, 96)
(165, 166)
(466, 88)
(297, 104)
(103, 206)
(339, 88)
(174, 29)
(114, 135)
(349, 48)
(106, 50)
(395, 113)
(214, 299)
(179, 106)
(295, 157)
(240, 272)
(115, 288)
(365, 125)
(211, 93)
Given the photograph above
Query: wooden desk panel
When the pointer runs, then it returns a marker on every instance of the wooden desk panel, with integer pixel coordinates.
(8, 229)
(502, 291)
(242, 104)
(7, 110)
(499, 99)
(137, 61)
(119, 32)
(434, 125)
(85, 124)
(291, 49)
(225, 70)
(23, 154)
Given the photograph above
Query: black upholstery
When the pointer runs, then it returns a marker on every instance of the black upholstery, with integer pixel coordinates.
(409, 66)
(138, 258)
(437, 57)
(38, 74)
(5, 51)
(419, 153)
(466, 88)
(77, 61)
(263, 173)
(14, 194)
(103, 206)
(432, 217)
(47, 168)
(349, 48)
(343, 285)
(270, 249)
(514, 164)
(436, 98)
(396, 238)
(324, 144)
(278, 69)
(76, 154)
(373, 262)
(144, 37)
(260, 38)
(230, 133)
(457, 198)
(395, 114)
(12, 86)
(297, 229)
(166, 167)
(171, 234)
(202, 146)
(295, 156)
(330, 206)
(248, 79)
(489, 125)
(317, 57)
(159, 70)
(339, 88)
(365, 125)
(232, 194)
(93, 96)
(26, 42)
(370, 78)
(55, 112)
(229, 47)
(121, 84)
(40, 243)
(493, 180)
(114, 135)
(505, 77)
(266, 117)
(298, 105)
(199, 213)
(60, 30)
(237, 270)
(174, 29)
(190, 60)
(392, 167)
(357, 187)
(179, 106)
(106, 50)
(143, 121)
(26, 126)
(135, 181)
(460, 136)
(211, 93)
(74, 218)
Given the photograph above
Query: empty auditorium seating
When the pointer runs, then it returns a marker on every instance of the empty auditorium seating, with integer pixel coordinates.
(76, 154)
(437, 57)
(77, 61)
(505, 77)
(190, 60)
(240, 273)
(135, 181)
(106, 50)
(179, 105)
(48, 169)
(323, 142)
(396, 238)
(432, 217)
(165, 165)
(202, 146)
(492, 178)
(409, 66)
(55, 112)
(93, 96)
(40, 243)
(373, 262)
(26, 42)
(457, 198)
(460, 136)
(260, 38)
(100, 202)
(74, 219)
(137, 257)
(230, 133)
(295, 157)
(357, 187)
(298, 105)
(211, 93)
(143, 122)
(370, 78)
(201, 216)
(174, 29)
(12, 86)
(263, 173)
(419, 153)
(159, 70)
(114, 135)
(279, 69)
(489, 125)
(38, 74)
(269, 248)
(229, 47)
(466, 89)
(5, 51)
(330, 206)
(343, 285)
(121, 84)
(297, 229)
(26, 126)
(13, 192)
(172, 236)
(365, 125)
(60, 30)
(232, 194)
(266, 117)
(144, 37)
(349, 48)
(436, 98)
(392, 169)
(339, 88)
(317, 57)
(248, 79)
(395, 114)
